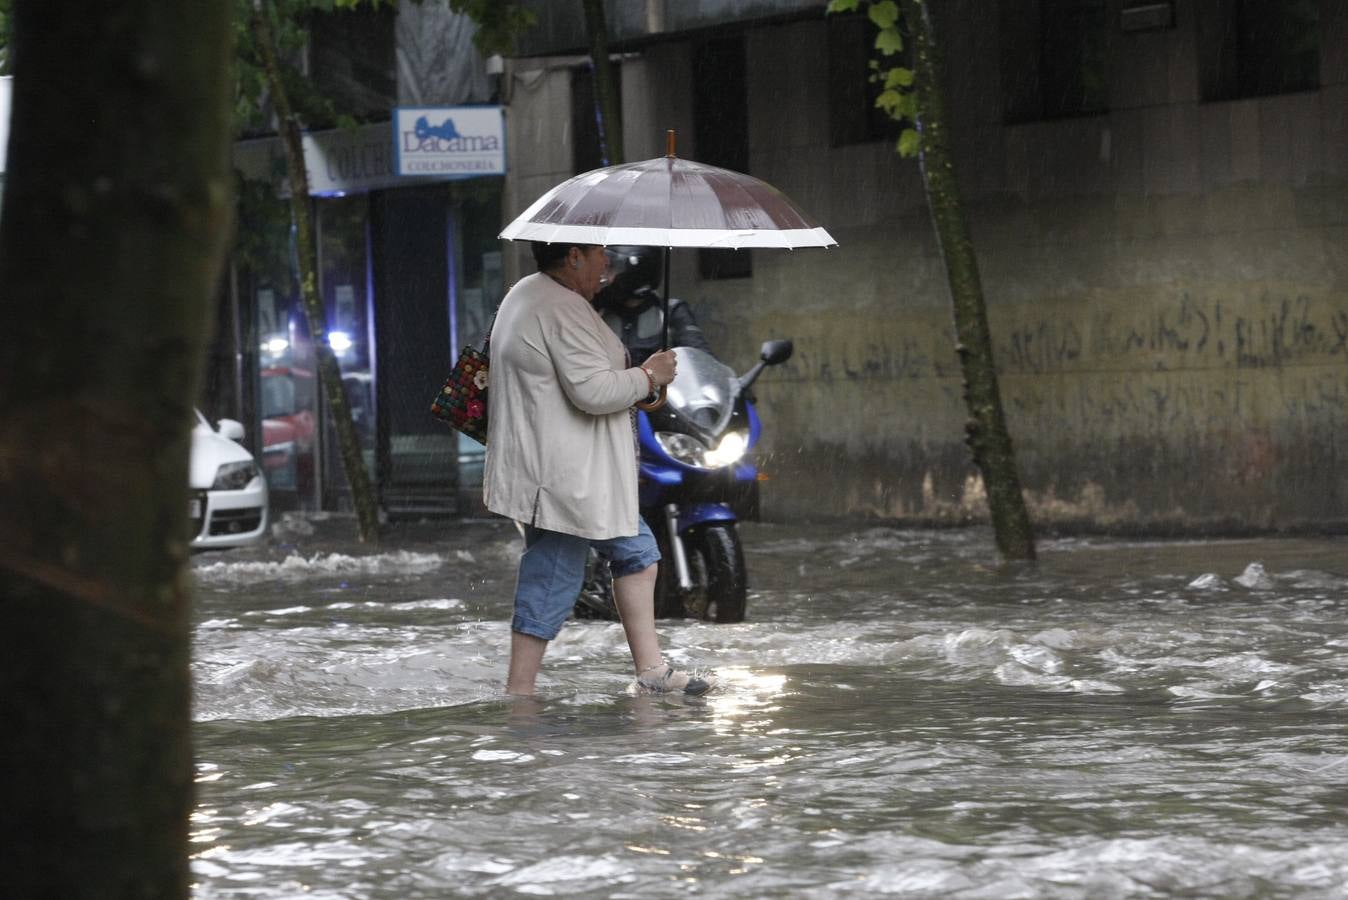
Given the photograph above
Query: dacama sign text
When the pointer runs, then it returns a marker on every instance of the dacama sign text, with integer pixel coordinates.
(449, 141)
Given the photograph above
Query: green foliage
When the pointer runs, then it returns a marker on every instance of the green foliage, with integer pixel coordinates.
(6, 26)
(909, 143)
(885, 15)
(897, 97)
(290, 24)
(889, 41)
(262, 236)
(498, 22)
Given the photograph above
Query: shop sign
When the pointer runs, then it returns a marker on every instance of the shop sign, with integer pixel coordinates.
(449, 141)
(341, 161)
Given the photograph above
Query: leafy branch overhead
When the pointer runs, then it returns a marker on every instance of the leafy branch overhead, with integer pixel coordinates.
(288, 21)
(497, 22)
(896, 95)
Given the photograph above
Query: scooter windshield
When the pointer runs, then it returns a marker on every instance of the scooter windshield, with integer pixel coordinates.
(704, 390)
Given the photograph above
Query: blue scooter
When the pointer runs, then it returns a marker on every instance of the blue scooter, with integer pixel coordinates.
(696, 481)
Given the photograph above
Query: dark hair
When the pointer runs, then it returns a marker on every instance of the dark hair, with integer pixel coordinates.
(547, 256)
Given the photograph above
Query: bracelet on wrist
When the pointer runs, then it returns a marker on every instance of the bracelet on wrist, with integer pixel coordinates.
(650, 380)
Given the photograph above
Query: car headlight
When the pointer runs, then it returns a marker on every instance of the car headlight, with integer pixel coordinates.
(691, 452)
(234, 476)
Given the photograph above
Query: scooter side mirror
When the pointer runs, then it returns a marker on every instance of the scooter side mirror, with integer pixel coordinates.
(773, 352)
(776, 352)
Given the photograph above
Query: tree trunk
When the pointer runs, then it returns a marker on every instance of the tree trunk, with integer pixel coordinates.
(605, 85)
(117, 208)
(986, 432)
(329, 372)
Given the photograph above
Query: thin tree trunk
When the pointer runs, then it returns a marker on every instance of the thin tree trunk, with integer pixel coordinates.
(329, 372)
(986, 432)
(605, 85)
(117, 208)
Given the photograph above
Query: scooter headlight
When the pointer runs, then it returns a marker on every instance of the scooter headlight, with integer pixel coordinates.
(683, 447)
(729, 451)
(691, 452)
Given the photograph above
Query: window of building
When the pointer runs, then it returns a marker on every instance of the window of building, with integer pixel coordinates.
(343, 240)
(587, 139)
(276, 389)
(1256, 48)
(853, 117)
(353, 60)
(721, 132)
(1055, 58)
(1074, 57)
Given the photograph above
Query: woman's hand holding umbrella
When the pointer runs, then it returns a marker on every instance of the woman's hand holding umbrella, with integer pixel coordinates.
(660, 368)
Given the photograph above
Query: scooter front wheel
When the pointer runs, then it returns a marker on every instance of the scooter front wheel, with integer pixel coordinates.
(716, 564)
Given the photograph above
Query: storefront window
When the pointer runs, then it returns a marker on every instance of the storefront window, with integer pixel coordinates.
(287, 395)
(344, 283)
(406, 277)
(280, 391)
(480, 289)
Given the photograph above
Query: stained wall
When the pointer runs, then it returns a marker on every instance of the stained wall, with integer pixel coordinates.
(1167, 287)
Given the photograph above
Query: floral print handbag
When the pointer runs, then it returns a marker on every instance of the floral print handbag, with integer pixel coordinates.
(462, 402)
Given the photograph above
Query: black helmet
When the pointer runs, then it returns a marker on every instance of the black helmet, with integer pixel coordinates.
(633, 268)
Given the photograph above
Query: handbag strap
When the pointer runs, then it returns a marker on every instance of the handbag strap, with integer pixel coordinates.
(486, 337)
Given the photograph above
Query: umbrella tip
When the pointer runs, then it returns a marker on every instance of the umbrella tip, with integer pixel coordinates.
(669, 143)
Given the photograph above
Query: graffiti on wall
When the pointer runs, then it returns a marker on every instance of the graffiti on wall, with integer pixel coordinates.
(1045, 346)
(1187, 331)
(1120, 335)
(1178, 403)
(833, 361)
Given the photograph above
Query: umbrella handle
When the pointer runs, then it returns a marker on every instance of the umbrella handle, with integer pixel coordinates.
(661, 395)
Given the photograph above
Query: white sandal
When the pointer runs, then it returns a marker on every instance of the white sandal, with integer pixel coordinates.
(672, 680)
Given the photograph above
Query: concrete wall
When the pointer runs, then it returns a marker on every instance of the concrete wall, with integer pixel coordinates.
(1167, 286)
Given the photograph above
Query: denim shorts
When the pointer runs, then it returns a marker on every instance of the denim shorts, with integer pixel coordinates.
(552, 569)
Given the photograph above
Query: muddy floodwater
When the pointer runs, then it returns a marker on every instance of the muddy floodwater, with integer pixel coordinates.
(900, 715)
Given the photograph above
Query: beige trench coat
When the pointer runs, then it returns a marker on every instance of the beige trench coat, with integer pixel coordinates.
(560, 449)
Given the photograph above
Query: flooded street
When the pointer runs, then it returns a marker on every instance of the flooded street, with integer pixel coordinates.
(900, 715)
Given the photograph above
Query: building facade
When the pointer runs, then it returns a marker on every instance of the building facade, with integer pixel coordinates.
(409, 268)
(1158, 197)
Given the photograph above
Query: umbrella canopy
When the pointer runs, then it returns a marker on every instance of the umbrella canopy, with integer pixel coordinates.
(668, 202)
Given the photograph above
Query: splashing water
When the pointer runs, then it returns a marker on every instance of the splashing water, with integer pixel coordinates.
(900, 715)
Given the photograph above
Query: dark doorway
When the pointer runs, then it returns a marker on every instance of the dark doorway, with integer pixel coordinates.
(721, 126)
(417, 454)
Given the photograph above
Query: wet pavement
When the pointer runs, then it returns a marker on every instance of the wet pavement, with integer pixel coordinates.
(900, 715)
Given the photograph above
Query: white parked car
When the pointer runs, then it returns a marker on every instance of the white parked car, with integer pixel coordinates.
(228, 492)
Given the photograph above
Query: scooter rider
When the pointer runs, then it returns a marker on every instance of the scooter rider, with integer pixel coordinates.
(630, 305)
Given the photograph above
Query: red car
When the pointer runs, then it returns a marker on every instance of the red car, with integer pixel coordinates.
(288, 425)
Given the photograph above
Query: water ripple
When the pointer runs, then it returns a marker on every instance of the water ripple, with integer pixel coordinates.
(900, 715)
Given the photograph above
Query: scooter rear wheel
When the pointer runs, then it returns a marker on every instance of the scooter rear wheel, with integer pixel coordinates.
(596, 592)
